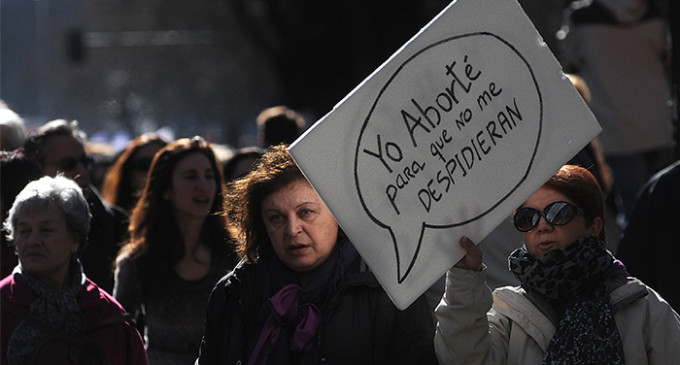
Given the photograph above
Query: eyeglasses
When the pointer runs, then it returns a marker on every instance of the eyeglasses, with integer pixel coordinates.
(70, 163)
(556, 213)
(141, 164)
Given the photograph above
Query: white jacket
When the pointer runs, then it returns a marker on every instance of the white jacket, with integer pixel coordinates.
(473, 328)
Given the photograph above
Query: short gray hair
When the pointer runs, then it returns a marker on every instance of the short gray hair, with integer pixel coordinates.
(65, 193)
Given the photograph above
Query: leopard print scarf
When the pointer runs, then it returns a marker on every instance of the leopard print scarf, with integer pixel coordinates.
(573, 275)
(56, 309)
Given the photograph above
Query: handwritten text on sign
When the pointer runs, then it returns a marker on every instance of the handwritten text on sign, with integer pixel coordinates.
(437, 145)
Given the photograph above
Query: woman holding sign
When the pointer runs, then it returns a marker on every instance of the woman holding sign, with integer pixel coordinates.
(576, 305)
(302, 294)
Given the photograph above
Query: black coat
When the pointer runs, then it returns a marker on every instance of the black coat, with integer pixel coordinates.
(361, 327)
(650, 245)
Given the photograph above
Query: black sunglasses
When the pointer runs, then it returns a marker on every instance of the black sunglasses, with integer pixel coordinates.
(556, 213)
(70, 163)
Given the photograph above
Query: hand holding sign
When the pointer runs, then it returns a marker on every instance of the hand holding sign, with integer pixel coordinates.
(445, 139)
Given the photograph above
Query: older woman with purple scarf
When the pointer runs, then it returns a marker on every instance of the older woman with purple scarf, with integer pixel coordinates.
(576, 305)
(302, 294)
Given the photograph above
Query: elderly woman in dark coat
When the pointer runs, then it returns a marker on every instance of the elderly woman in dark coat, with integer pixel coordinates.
(302, 294)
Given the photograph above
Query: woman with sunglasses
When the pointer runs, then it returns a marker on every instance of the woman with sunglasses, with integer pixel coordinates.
(125, 180)
(576, 305)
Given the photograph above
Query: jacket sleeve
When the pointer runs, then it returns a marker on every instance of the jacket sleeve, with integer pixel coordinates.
(663, 332)
(136, 350)
(464, 334)
(127, 288)
(210, 343)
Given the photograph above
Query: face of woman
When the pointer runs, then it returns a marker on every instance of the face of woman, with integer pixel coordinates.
(546, 237)
(301, 228)
(193, 187)
(45, 245)
(140, 165)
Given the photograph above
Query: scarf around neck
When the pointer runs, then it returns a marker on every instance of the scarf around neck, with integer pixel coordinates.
(574, 277)
(56, 309)
(294, 312)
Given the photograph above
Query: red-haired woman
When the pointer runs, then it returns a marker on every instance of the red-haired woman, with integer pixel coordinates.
(576, 305)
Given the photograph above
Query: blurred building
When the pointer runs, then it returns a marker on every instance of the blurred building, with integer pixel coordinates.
(197, 67)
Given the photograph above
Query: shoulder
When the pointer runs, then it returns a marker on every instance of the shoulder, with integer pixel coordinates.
(511, 296)
(360, 275)
(240, 278)
(665, 182)
(7, 286)
(92, 297)
(633, 291)
(15, 292)
(126, 264)
(514, 302)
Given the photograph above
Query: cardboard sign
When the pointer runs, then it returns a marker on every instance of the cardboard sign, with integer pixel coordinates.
(445, 139)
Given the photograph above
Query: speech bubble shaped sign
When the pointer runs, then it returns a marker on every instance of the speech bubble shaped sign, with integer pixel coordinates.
(482, 108)
(454, 131)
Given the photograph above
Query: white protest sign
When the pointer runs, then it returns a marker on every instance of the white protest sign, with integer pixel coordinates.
(445, 139)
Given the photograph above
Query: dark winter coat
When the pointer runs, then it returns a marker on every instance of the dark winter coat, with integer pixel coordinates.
(360, 326)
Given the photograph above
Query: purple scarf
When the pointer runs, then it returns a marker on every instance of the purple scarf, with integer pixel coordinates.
(285, 307)
(294, 313)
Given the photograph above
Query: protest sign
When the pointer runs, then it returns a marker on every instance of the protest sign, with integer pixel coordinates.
(446, 138)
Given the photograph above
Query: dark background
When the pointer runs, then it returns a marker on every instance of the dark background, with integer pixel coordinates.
(124, 67)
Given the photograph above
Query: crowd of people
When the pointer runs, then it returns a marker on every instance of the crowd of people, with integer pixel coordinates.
(189, 252)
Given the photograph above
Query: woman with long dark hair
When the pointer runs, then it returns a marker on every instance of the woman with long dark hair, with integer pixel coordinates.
(178, 248)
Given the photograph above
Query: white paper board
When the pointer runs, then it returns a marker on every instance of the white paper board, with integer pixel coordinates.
(445, 139)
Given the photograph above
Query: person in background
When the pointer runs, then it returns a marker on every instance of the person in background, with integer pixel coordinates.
(58, 147)
(237, 166)
(15, 171)
(241, 163)
(126, 178)
(48, 291)
(620, 48)
(576, 305)
(302, 294)
(651, 241)
(178, 249)
(102, 158)
(592, 158)
(12, 129)
(278, 124)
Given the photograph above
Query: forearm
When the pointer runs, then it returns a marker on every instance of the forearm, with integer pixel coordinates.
(462, 334)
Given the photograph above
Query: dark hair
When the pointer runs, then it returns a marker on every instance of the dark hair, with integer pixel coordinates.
(279, 124)
(155, 239)
(34, 147)
(117, 188)
(16, 171)
(230, 166)
(275, 170)
(581, 187)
